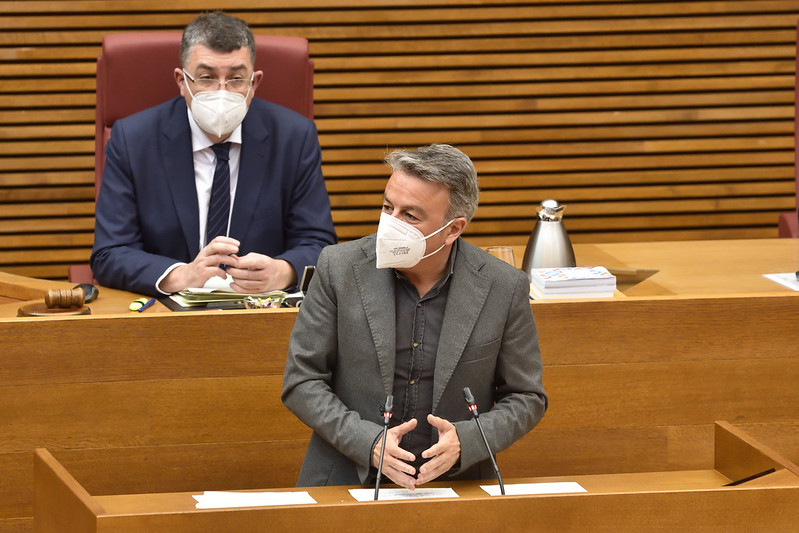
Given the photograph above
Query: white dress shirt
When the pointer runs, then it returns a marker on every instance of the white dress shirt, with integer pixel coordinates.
(204, 166)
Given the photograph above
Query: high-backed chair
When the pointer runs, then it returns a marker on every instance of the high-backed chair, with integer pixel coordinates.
(135, 71)
(788, 225)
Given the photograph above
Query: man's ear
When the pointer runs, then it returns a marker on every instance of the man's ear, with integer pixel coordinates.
(180, 79)
(257, 76)
(454, 230)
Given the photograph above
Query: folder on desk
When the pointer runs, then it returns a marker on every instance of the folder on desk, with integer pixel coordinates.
(217, 290)
(194, 297)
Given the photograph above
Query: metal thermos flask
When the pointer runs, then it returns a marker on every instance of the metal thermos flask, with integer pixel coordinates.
(549, 245)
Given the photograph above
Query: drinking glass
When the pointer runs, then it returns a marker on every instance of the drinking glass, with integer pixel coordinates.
(503, 252)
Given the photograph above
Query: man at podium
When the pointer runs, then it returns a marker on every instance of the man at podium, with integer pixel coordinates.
(417, 313)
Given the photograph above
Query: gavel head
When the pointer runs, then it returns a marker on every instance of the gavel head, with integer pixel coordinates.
(64, 298)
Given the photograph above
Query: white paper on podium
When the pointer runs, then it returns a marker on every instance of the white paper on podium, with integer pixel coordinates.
(218, 499)
(787, 279)
(367, 495)
(520, 489)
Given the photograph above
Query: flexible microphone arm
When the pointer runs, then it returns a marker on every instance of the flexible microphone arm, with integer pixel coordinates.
(386, 417)
(467, 395)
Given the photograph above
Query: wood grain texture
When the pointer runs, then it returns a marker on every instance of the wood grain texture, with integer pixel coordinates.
(688, 499)
(780, 435)
(704, 512)
(167, 400)
(68, 505)
(652, 120)
(187, 467)
(738, 455)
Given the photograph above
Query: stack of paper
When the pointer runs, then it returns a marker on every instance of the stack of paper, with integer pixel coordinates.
(787, 279)
(521, 489)
(366, 495)
(220, 499)
(572, 282)
(201, 296)
(218, 289)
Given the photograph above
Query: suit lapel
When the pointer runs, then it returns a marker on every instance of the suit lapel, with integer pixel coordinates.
(252, 169)
(178, 161)
(467, 295)
(376, 289)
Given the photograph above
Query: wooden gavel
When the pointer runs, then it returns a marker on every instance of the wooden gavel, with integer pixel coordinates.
(64, 298)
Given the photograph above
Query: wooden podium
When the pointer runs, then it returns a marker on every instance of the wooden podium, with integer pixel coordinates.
(695, 500)
(164, 402)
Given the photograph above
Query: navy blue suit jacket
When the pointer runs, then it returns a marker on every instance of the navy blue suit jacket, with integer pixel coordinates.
(147, 216)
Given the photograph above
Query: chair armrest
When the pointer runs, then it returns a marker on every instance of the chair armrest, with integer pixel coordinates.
(81, 274)
(789, 225)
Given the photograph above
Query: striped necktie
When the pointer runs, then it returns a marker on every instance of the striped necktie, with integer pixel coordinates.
(219, 206)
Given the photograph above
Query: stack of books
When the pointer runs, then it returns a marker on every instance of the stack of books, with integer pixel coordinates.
(572, 282)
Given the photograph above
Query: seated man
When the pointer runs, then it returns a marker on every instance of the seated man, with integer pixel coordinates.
(416, 312)
(213, 181)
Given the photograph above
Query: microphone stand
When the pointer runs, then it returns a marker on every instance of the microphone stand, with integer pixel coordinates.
(467, 395)
(386, 417)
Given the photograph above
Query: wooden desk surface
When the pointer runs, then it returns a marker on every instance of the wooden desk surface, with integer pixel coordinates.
(644, 269)
(697, 267)
(594, 484)
(18, 290)
(691, 268)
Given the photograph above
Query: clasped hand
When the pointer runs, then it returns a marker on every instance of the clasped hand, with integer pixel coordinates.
(442, 455)
(252, 273)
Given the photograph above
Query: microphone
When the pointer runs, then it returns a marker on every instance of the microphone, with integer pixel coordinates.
(467, 395)
(387, 408)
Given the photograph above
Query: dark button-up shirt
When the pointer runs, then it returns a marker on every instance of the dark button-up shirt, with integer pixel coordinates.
(418, 328)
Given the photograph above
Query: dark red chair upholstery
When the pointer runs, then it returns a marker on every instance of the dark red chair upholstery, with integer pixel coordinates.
(135, 71)
(788, 225)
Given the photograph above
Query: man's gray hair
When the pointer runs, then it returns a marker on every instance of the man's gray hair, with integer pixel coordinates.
(217, 31)
(445, 164)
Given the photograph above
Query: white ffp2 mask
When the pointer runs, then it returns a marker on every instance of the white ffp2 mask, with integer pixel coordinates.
(400, 245)
(218, 112)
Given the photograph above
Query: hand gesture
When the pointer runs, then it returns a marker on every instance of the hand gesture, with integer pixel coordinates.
(395, 459)
(220, 251)
(442, 455)
(256, 273)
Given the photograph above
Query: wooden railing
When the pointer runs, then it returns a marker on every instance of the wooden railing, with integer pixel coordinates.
(650, 120)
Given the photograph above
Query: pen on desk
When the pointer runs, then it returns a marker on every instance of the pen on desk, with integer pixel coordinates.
(150, 302)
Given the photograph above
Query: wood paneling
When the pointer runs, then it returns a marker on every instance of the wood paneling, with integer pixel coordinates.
(175, 395)
(688, 105)
(698, 500)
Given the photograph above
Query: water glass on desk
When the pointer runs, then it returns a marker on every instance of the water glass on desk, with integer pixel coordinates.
(503, 252)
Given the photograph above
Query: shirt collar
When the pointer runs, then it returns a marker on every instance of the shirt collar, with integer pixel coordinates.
(448, 272)
(200, 141)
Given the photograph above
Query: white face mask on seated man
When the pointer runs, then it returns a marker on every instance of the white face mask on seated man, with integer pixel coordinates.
(400, 245)
(218, 112)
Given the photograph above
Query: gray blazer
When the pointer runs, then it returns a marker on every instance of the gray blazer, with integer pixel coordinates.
(340, 364)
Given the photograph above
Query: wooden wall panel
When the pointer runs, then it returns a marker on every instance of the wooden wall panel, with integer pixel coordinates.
(191, 401)
(651, 120)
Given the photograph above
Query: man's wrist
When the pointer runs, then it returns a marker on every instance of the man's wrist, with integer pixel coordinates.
(373, 456)
(288, 275)
(166, 283)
